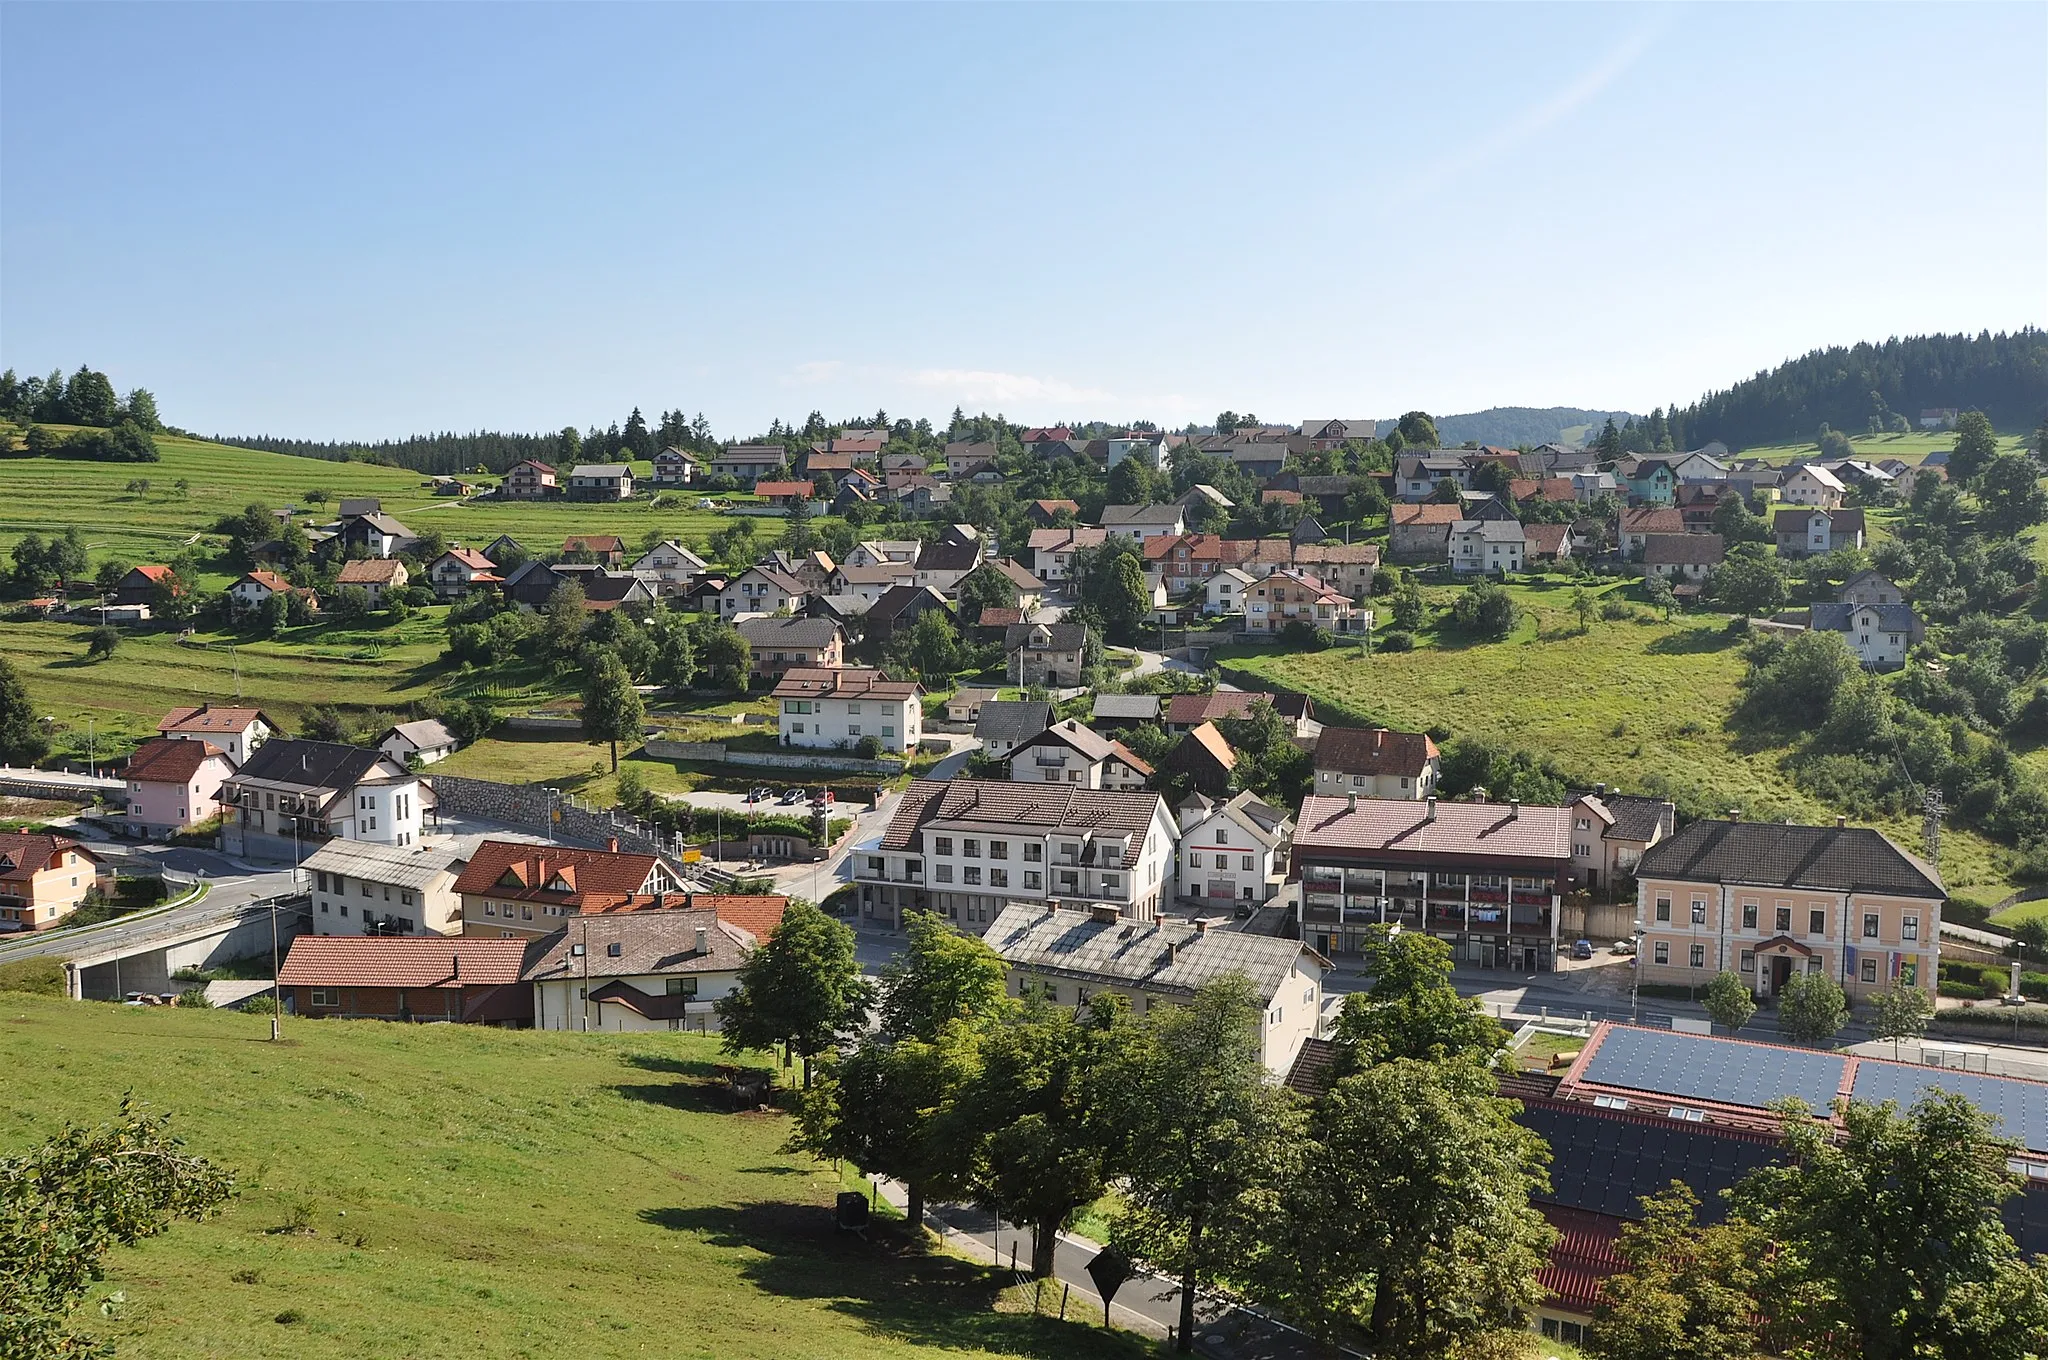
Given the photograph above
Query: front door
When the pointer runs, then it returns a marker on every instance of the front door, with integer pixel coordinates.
(1781, 973)
(1323, 945)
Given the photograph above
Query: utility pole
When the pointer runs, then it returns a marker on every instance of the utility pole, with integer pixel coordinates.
(1930, 827)
(276, 991)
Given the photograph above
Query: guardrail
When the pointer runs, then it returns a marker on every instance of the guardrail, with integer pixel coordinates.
(260, 908)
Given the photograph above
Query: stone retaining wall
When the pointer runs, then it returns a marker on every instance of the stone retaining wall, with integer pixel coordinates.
(716, 752)
(531, 806)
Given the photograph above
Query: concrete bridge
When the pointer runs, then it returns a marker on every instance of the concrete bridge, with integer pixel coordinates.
(106, 966)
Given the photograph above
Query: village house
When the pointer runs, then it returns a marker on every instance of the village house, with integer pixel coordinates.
(1052, 550)
(1203, 760)
(1046, 513)
(237, 731)
(255, 588)
(1650, 481)
(291, 795)
(1417, 476)
(44, 878)
(964, 704)
(1871, 587)
(1321, 435)
(1547, 542)
(1049, 654)
(748, 463)
(1422, 533)
(864, 584)
(1765, 900)
(173, 785)
(376, 576)
(1113, 712)
(529, 585)
(1610, 832)
(1589, 486)
(1002, 725)
(1637, 523)
(1227, 591)
(761, 590)
(636, 972)
(1288, 596)
(781, 644)
(668, 568)
(1813, 532)
(1069, 956)
(839, 709)
(407, 979)
(1185, 712)
(605, 550)
(1813, 487)
(600, 482)
(529, 480)
(519, 890)
(372, 532)
(1879, 634)
(459, 570)
(965, 458)
(784, 494)
(899, 607)
(1375, 762)
(1233, 851)
(361, 889)
(966, 848)
(1183, 561)
(1477, 546)
(1141, 522)
(1068, 753)
(673, 467)
(1347, 567)
(942, 563)
(426, 741)
(1486, 878)
(143, 585)
(1686, 559)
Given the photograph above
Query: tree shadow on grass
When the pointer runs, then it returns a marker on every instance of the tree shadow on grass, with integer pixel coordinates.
(893, 1285)
(698, 1096)
(1693, 642)
(682, 1067)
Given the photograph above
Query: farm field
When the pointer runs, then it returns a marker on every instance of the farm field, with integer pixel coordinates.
(1909, 448)
(445, 1190)
(1641, 705)
(42, 495)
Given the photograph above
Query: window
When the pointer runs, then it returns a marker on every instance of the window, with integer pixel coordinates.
(853, 729)
(888, 729)
(1869, 967)
(1582, 850)
(1112, 883)
(1245, 862)
(1663, 908)
(1869, 925)
(853, 708)
(325, 996)
(1194, 859)
(1699, 911)
(525, 912)
(613, 950)
(1749, 960)
(1699, 956)
(1816, 923)
(874, 864)
(796, 729)
(1222, 835)
(943, 845)
(1031, 880)
(490, 909)
(1911, 930)
(1749, 916)
(682, 986)
(1663, 952)
(972, 875)
(999, 878)
(944, 873)
(971, 849)
(1784, 920)
(1583, 824)
(321, 877)
(1033, 852)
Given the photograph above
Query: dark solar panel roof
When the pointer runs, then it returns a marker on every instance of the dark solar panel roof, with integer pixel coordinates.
(1694, 1066)
(2021, 1106)
(1607, 1162)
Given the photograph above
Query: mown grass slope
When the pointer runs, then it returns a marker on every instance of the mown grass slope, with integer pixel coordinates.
(482, 1193)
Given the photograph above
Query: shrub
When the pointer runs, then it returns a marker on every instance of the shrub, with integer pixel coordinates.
(1966, 991)
(1966, 911)
(869, 748)
(1398, 640)
(259, 1005)
(194, 1000)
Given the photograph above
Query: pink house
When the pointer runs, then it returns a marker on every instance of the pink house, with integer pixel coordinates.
(174, 784)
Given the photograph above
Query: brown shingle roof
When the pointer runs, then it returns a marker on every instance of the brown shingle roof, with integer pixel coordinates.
(1033, 805)
(370, 571)
(207, 718)
(1683, 549)
(168, 760)
(1374, 751)
(594, 543)
(649, 942)
(24, 854)
(1652, 520)
(1189, 709)
(852, 682)
(1429, 512)
(401, 961)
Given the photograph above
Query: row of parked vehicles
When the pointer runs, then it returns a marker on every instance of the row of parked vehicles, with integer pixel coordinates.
(761, 793)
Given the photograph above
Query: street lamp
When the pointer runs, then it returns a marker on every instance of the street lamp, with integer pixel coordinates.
(1635, 976)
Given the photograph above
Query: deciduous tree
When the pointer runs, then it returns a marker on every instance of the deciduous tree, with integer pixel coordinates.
(1682, 1289)
(1976, 446)
(22, 739)
(1728, 1000)
(1811, 1007)
(612, 711)
(1900, 1011)
(802, 988)
(1412, 1010)
(942, 978)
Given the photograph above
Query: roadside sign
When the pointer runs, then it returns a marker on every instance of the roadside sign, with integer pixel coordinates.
(1109, 1270)
(692, 856)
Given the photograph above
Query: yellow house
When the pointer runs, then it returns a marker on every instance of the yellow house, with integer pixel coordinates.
(43, 878)
(1767, 901)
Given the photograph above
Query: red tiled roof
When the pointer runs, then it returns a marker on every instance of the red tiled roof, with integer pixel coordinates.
(1435, 827)
(1337, 554)
(594, 543)
(401, 961)
(155, 571)
(1652, 520)
(207, 718)
(1054, 507)
(783, 488)
(1582, 1258)
(169, 760)
(1374, 751)
(1130, 758)
(597, 874)
(1001, 616)
(269, 580)
(1429, 512)
(1546, 539)
(471, 558)
(1189, 709)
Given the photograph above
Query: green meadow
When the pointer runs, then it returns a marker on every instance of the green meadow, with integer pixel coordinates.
(451, 1191)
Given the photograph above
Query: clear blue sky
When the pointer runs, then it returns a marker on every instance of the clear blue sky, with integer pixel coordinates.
(364, 221)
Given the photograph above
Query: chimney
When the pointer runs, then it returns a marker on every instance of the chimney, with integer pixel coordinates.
(660, 900)
(1172, 952)
(1514, 808)
(1429, 813)
(611, 843)
(1201, 925)
(1734, 814)
(455, 967)
(1840, 822)
(703, 939)
(1599, 790)
(1351, 801)
(1103, 913)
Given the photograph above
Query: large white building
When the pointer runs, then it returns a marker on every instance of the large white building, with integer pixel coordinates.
(635, 971)
(1068, 957)
(1232, 852)
(293, 795)
(835, 709)
(967, 848)
(360, 889)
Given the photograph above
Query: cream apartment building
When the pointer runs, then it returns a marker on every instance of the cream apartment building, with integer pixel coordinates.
(1767, 901)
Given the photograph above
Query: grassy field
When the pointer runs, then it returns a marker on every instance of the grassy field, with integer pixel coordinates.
(40, 495)
(486, 1193)
(1638, 704)
(1910, 448)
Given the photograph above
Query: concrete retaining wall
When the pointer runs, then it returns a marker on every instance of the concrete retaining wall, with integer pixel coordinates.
(767, 760)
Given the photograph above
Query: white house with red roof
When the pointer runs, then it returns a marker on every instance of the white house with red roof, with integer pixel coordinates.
(174, 784)
(459, 570)
(237, 731)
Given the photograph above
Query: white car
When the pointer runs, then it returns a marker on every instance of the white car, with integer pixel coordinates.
(1624, 946)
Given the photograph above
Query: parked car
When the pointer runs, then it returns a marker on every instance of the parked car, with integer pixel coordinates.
(1583, 949)
(761, 794)
(823, 797)
(1624, 946)
(791, 797)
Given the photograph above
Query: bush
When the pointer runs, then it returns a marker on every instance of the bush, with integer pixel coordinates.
(1305, 636)
(38, 977)
(1966, 911)
(1397, 641)
(259, 1005)
(869, 748)
(194, 1000)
